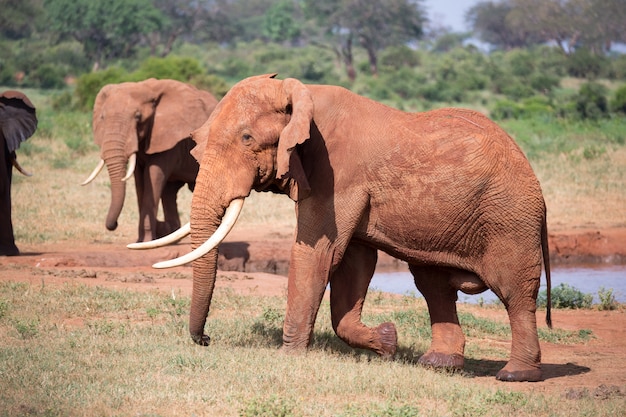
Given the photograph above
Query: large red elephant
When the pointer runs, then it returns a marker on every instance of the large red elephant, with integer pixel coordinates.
(447, 191)
(18, 121)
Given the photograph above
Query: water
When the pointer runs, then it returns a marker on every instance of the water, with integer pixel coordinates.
(586, 280)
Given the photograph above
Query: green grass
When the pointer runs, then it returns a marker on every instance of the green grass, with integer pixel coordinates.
(83, 350)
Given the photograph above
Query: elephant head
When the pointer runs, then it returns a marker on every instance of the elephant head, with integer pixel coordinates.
(18, 121)
(142, 118)
(259, 132)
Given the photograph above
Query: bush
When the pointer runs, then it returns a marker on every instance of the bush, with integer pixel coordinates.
(583, 64)
(565, 296)
(47, 76)
(171, 67)
(591, 102)
(396, 57)
(88, 85)
(618, 104)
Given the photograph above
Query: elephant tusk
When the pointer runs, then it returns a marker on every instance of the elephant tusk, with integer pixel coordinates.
(95, 173)
(132, 163)
(228, 221)
(20, 169)
(165, 240)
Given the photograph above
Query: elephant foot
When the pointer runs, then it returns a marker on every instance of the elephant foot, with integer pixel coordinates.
(388, 339)
(528, 375)
(9, 251)
(201, 339)
(441, 360)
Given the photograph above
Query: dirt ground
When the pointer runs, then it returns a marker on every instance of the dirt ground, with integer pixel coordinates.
(255, 262)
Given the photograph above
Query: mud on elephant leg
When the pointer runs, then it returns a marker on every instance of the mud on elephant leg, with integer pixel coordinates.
(448, 342)
(348, 288)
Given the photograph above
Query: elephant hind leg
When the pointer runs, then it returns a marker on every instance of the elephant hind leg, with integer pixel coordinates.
(448, 342)
(516, 283)
(348, 288)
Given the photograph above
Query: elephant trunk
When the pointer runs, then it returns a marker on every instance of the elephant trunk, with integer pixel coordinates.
(203, 225)
(115, 158)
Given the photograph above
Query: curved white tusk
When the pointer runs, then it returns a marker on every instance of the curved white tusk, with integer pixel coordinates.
(228, 221)
(19, 168)
(132, 162)
(165, 240)
(95, 172)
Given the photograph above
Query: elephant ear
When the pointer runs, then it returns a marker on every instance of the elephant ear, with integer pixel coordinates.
(296, 132)
(98, 123)
(180, 109)
(18, 119)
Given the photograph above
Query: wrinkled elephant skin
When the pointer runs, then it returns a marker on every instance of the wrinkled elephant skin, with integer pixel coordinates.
(447, 191)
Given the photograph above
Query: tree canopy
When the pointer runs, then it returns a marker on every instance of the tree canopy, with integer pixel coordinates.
(593, 24)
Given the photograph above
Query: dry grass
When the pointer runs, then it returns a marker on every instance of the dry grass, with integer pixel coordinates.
(584, 192)
(84, 350)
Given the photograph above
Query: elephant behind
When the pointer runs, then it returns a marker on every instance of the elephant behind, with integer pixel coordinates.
(18, 121)
(146, 125)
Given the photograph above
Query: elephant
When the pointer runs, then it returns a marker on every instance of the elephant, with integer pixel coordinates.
(147, 125)
(448, 191)
(18, 121)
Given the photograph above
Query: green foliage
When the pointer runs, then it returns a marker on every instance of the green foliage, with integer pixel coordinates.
(397, 57)
(535, 106)
(279, 24)
(566, 296)
(607, 299)
(171, 67)
(106, 28)
(618, 104)
(591, 101)
(272, 406)
(583, 64)
(88, 85)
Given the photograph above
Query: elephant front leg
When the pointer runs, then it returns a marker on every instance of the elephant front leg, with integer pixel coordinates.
(348, 288)
(448, 342)
(308, 277)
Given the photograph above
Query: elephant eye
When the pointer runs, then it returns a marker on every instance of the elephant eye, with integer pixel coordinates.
(246, 139)
(137, 116)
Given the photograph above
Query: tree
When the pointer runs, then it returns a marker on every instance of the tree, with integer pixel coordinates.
(279, 24)
(106, 28)
(373, 24)
(489, 20)
(18, 18)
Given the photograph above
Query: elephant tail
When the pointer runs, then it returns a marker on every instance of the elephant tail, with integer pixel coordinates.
(546, 264)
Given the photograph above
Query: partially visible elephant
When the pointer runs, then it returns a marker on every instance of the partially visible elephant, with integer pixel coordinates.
(18, 121)
(147, 124)
(447, 191)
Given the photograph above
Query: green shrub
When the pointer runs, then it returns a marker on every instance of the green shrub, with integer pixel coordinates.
(618, 104)
(591, 101)
(88, 85)
(566, 296)
(47, 76)
(607, 299)
(583, 64)
(396, 57)
(543, 82)
(171, 67)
